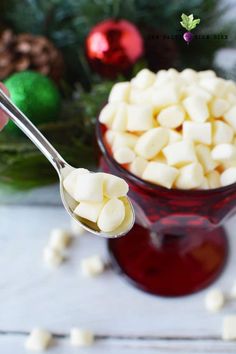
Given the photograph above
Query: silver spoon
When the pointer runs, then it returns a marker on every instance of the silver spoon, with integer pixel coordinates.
(63, 169)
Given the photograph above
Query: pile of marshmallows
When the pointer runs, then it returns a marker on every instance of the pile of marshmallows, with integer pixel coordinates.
(99, 198)
(174, 129)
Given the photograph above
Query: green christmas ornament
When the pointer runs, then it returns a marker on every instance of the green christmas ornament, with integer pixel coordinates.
(36, 95)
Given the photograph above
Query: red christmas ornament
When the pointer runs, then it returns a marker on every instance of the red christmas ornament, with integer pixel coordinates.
(113, 47)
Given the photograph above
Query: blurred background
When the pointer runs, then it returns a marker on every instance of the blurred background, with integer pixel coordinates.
(62, 41)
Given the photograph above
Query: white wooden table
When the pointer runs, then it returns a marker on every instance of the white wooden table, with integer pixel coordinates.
(124, 319)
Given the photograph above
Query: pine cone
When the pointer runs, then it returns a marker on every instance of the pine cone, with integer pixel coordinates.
(26, 51)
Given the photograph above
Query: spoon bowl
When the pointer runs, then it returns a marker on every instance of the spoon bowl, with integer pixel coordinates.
(63, 169)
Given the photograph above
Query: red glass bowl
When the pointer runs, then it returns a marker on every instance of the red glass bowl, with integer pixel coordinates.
(178, 245)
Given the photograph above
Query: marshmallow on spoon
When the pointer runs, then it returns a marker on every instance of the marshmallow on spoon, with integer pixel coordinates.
(197, 109)
(150, 143)
(171, 117)
(180, 153)
(228, 176)
(113, 186)
(69, 182)
(120, 92)
(197, 132)
(89, 211)
(89, 188)
(160, 174)
(112, 215)
(140, 118)
(190, 176)
(222, 133)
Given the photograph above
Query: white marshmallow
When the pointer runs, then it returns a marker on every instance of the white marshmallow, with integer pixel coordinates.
(224, 152)
(206, 74)
(110, 136)
(114, 187)
(138, 166)
(124, 155)
(140, 118)
(52, 257)
(112, 215)
(76, 229)
(138, 96)
(196, 90)
(92, 266)
(165, 95)
(196, 108)
(70, 181)
(214, 300)
(171, 117)
(59, 239)
(89, 188)
(218, 107)
(143, 79)
(231, 98)
(151, 142)
(88, 210)
(81, 338)
(160, 174)
(197, 132)
(230, 87)
(174, 136)
(222, 133)
(216, 85)
(230, 117)
(189, 75)
(213, 178)
(120, 92)
(190, 176)
(161, 77)
(120, 118)
(38, 340)
(124, 140)
(107, 114)
(180, 153)
(205, 184)
(229, 328)
(228, 176)
(204, 157)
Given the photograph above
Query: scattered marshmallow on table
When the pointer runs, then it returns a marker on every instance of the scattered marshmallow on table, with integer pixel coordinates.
(178, 119)
(52, 257)
(92, 266)
(229, 328)
(81, 338)
(38, 340)
(214, 300)
(59, 239)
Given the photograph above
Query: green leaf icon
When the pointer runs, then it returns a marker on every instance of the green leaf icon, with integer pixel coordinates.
(188, 22)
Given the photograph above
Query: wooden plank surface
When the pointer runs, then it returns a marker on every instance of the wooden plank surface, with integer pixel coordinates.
(122, 317)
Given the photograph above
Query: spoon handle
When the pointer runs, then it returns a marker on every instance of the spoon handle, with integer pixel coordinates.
(32, 132)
